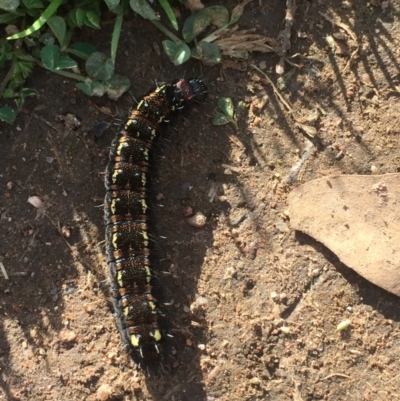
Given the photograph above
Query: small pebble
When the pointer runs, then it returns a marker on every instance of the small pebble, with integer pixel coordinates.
(187, 211)
(66, 231)
(198, 220)
(66, 336)
(35, 201)
(201, 347)
(9, 185)
(374, 169)
(103, 392)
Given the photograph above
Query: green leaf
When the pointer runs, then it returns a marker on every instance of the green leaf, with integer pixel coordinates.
(7, 114)
(220, 119)
(57, 25)
(7, 18)
(92, 19)
(8, 93)
(99, 67)
(219, 16)
(82, 50)
(226, 105)
(194, 25)
(93, 88)
(9, 5)
(112, 4)
(116, 86)
(208, 53)
(50, 10)
(77, 17)
(49, 56)
(47, 39)
(65, 62)
(170, 13)
(33, 4)
(177, 53)
(24, 67)
(26, 92)
(143, 8)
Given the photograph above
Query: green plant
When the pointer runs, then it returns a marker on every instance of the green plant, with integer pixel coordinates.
(47, 43)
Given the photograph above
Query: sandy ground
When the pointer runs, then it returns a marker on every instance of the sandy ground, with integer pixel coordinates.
(255, 304)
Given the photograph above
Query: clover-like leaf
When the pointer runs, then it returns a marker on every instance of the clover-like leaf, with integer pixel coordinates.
(7, 114)
(116, 86)
(219, 15)
(99, 66)
(143, 8)
(208, 53)
(227, 107)
(194, 25)
(177, 53)
(93, 88)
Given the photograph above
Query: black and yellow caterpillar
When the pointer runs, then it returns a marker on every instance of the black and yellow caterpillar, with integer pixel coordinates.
(129, 243)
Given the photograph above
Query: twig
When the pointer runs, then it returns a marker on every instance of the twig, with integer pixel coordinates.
(393, 378)
(333, 375)
(340, 24)
(285, 35)
(276, 91)
(3, 270)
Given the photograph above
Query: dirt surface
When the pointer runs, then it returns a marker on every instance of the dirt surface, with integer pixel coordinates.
(256, 305)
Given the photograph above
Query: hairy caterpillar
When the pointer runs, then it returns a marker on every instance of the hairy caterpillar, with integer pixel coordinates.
(129, 244)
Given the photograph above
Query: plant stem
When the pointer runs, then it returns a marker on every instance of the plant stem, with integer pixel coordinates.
(167, 32)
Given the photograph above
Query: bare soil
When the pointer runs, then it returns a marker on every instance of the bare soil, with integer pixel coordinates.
(256, 304)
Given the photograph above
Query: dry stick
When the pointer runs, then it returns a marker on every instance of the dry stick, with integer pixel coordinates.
(276, 91)
(340, 24)
(3, 270)
(285, 34)
(333, 375)
(309, 130)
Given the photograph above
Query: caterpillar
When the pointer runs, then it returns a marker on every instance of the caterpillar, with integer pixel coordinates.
(130, 245)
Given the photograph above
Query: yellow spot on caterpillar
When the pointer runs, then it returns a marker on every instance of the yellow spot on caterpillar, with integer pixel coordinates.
(152, 305)
(157, 335)
(140, 103)
(144, 206)
(119, 279)
(120, 147)
(144, 179)
(114, 240)
(135, 340)
(126, 311)
(146, 154)
(115, 175)
(113, 206)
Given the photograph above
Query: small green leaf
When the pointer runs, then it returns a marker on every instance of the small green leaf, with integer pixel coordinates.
(226, 106)
(9, 5)
(65, 62)
(92, 19)
(57, 25)
(112, 4)
(194, 25)
(99, 66)
(220, 119)
(49, 56)
(178, 54)
(208, 53)
(26, 92)
(82, 50)
(8, 93)
(116, 86)
(8, 17)
(33, 4)
(219, 16)
(143, 8)
(170, 13)
(93, 88)
(47, 39)
(7, 114)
